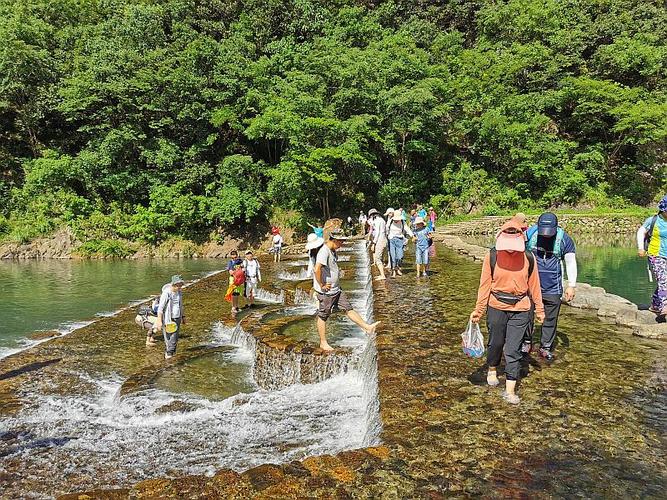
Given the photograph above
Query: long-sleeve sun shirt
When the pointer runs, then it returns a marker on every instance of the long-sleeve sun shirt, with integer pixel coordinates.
(510, 276)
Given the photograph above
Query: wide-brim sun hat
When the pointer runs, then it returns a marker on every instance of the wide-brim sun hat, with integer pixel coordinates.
(314, 241)
(398, 216)
(511, 241)
(176, 279)
(419, 220)
(389, 211)
(373, 212)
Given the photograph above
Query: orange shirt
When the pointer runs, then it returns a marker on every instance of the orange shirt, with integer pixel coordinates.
(509, 276)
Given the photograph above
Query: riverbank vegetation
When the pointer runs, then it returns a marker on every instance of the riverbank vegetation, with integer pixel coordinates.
(145, 120)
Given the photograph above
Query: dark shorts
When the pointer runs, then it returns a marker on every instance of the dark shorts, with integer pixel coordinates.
(332, 303)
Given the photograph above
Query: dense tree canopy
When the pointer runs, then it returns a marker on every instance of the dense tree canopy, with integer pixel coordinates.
(143, 119)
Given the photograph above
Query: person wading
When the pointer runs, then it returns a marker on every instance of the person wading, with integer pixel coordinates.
(170, 314)
(378, 238)
(397, 231)
(506, 287)
(326, 282)
(652, 241)
(551, 245)
(253, 276)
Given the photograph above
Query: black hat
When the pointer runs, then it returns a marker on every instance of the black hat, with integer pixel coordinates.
(547, 224)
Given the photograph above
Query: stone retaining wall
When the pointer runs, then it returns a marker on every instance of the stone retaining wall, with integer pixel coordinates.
(573, 223)
(611, 307)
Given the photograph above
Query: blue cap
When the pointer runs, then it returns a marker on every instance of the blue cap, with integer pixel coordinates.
(662, 206)
(547, 225)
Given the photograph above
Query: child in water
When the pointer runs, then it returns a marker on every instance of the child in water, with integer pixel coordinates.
(253, 276)
(422, 243)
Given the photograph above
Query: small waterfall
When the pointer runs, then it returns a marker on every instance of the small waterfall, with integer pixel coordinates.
(299, 276)
(368, 369)
(270, 297)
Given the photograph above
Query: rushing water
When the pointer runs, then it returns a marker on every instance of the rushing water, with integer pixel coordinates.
(611, 263)
(66, 294)
(110, 412)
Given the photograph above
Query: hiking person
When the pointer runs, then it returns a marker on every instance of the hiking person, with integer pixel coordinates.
(236, 280)
(506, 287)
(551, 245)
(378, 239)
(422, 236)
(413, 217)
(397, 230)
(276, 244)
(253, 276)
(432, 217)
(170, 314)
(652, 241)
(421, 212)
(362, 222)
(389, 213)
(326, 282)
(313, 244)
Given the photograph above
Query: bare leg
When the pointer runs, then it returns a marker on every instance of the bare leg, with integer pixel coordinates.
(235, 303)
(381, 270)
(322, 331)
(354, 316)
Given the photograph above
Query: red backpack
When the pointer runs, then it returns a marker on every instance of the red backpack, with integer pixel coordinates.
(239, 276)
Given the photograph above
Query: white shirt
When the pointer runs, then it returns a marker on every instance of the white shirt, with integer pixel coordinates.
(252, 270)
(277, 240)
(379, 229)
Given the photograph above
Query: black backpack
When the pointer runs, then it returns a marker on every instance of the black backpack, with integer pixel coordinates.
(649, 233)
(493, 253)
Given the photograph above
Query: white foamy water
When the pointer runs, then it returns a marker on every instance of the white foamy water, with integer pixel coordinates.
(105, 441)
(270, 297)
(301, 275)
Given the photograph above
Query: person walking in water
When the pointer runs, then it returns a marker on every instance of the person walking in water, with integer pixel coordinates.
(423, 236)
(506, 287)
(277, 244)
(236, 281)
(253, 276)
(551, 245)
(326, 282)
(432, 217)
(652, 241)
(313, 245)
(170, 314)
(378, 238)
(396, 234)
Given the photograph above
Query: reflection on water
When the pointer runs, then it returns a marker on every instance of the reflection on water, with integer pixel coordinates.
(60, 294)
(609, 261)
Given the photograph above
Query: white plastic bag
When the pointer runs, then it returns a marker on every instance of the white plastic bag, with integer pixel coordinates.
(473, 342)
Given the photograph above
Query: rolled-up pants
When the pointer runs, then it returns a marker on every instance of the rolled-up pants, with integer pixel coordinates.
(506, 332)
(171, 339)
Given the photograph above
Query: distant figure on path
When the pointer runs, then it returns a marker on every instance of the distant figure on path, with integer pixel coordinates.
(362, 222)
(277, 244)
(652, 241)
(326, 282)
(170, 314)
(506, 286)
(432, 217)
(378, 238)
(551, 245)
(253, 276)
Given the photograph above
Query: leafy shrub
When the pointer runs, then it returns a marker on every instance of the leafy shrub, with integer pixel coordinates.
(106, 248)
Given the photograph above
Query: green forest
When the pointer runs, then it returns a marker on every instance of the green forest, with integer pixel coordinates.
(130, 120)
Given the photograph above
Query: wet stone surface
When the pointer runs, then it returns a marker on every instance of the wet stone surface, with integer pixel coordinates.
(591, 424)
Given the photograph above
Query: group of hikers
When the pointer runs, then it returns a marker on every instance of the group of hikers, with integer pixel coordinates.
(521, 280)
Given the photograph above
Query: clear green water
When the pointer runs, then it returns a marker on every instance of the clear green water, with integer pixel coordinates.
(613, 265)
(54, 294)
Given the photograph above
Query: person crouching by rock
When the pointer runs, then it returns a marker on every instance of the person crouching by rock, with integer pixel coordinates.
(326, 282)
(170, 314)
(508, 283)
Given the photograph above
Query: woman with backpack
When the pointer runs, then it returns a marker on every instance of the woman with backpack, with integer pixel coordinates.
(652, 241)
(397, 231)
(509, 285)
